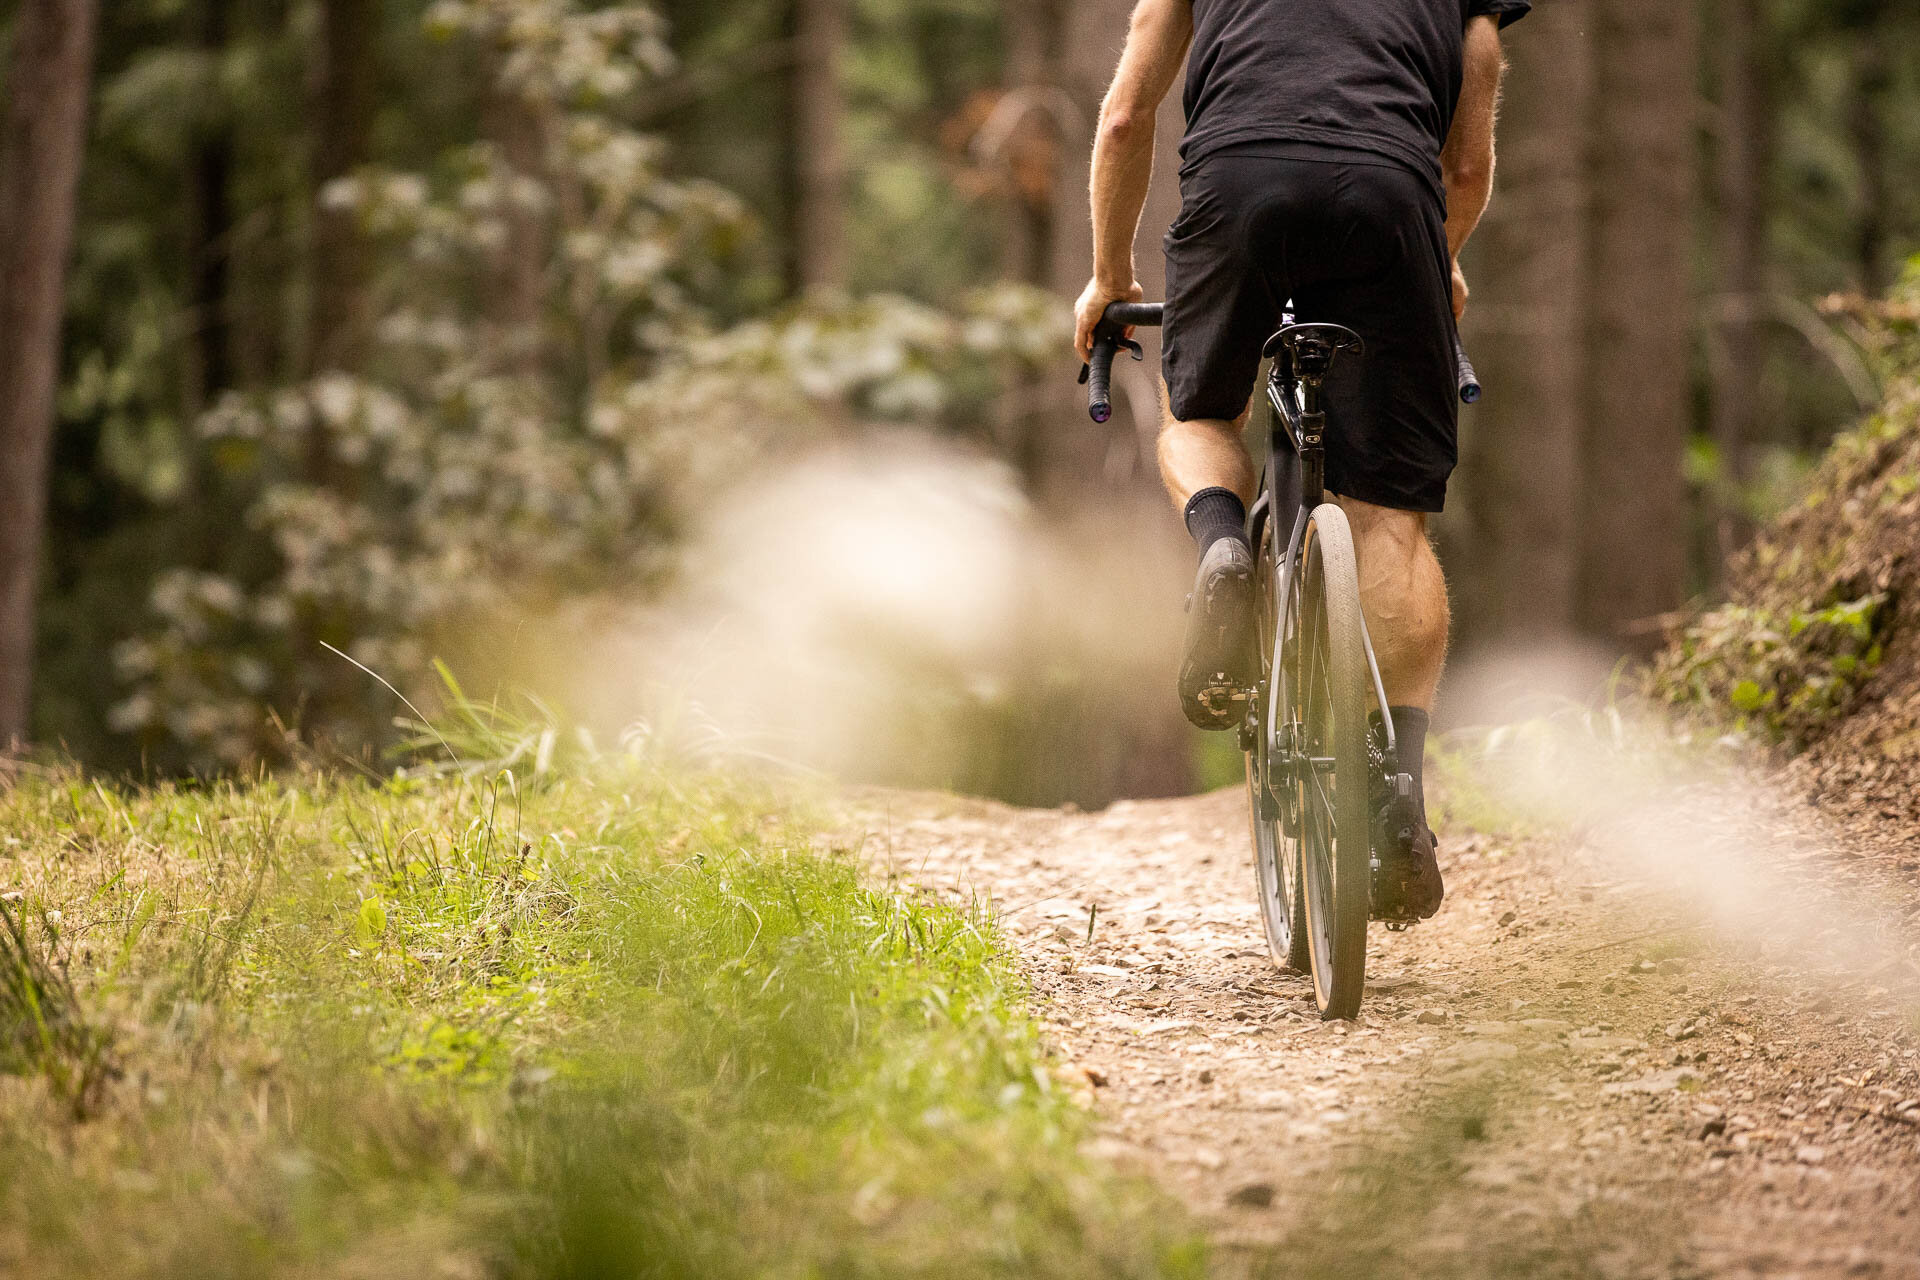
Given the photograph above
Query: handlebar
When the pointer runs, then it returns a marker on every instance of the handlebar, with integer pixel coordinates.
(1125, 314)
(1465, 379)
(1110, 338)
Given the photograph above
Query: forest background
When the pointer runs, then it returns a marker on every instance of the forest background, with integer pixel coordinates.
(484, 330)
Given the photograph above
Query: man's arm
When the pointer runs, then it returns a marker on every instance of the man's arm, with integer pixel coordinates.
(1466, 162)
(1123, 152)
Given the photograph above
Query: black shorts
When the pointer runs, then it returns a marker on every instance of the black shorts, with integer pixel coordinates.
(1352, 240)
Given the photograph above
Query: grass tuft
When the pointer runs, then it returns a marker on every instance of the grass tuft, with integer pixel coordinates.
(44, 1029)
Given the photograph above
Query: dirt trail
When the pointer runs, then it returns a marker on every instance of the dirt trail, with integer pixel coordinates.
(1565, 1073)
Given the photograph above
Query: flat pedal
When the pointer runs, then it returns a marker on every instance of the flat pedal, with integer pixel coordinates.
(1217, 697)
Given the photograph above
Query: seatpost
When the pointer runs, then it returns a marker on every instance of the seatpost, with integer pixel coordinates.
(1313, 460)
(1313, 360)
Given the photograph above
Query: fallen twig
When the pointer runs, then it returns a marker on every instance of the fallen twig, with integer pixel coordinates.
(1641, 937)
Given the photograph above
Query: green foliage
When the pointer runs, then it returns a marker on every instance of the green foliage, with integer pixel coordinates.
(1777, 478)
(543, 396)
(614, 1018)
(1783, 674)
(920, 220)
(591, 415)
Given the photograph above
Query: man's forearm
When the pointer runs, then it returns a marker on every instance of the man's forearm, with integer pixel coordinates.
(1468, 195)
(1122, 172)
(1157, 39)
(1466, 162)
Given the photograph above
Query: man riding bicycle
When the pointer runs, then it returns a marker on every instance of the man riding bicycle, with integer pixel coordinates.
(1337, 155)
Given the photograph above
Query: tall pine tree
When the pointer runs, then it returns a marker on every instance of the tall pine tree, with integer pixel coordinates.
(40, 152)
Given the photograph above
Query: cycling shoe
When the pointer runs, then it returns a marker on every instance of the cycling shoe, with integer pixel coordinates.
(1407, 884)
(1216, 667)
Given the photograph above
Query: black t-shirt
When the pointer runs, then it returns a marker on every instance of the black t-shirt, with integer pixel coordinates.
(1374, 75)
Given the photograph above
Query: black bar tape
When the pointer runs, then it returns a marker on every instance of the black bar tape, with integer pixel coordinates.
(1099, 375)
(1468, 381)
(1134, 313)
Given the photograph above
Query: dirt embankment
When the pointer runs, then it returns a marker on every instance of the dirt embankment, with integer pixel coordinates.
(1818, 645)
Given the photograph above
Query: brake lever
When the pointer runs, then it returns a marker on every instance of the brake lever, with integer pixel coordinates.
(1119, 344)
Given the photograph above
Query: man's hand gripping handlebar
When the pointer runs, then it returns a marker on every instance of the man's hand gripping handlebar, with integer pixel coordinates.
(1109, 339)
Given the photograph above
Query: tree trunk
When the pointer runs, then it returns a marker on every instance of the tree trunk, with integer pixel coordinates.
(1094, 35)
(1634, 509)
(1110, 470)
(1743, 161)
(348, 83)
(1030, 154)
(1031, 30)
(1867, 129)
(1511, 535)
(211, 230)
(816, 242)
(518, 128)
(41, 150)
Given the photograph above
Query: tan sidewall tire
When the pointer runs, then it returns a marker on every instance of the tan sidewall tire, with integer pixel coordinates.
(1338, 992)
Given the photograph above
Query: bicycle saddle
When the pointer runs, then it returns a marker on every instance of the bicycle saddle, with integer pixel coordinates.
(1313, 346)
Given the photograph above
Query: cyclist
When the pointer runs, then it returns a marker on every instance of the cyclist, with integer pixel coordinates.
(1338, 153)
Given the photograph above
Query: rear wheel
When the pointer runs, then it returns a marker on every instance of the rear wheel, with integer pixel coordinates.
(1326, 700)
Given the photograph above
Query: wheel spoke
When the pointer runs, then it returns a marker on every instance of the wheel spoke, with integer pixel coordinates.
(1274, 852)
(1326, 804)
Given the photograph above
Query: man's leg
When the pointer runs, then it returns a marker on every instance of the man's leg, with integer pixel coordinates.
(1208, 474)
(1404, 596)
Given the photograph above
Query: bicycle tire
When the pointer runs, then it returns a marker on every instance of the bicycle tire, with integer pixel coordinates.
(1328, 692)
(1276, 853)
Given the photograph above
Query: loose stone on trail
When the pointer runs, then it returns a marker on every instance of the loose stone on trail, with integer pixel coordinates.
(1254, 1195)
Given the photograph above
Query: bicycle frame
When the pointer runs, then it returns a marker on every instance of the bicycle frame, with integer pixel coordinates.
(1294, 422)
(1294, 418)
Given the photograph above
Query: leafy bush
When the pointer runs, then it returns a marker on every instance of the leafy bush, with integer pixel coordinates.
(542, 400)
(1784, 673)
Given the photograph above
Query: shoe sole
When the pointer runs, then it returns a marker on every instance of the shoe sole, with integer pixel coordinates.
(1398, 887)
(1211, 690)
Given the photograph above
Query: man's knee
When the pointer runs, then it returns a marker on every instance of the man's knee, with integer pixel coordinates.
(1202, 454)
(1206, 431)
(1392, 528)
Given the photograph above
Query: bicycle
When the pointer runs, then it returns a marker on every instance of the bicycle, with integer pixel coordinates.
(1315, 766)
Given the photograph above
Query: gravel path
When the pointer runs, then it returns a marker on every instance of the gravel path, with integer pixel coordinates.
(1576, 1069)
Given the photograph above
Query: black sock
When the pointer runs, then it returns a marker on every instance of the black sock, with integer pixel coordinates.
(1410, 746)
(1213, 514)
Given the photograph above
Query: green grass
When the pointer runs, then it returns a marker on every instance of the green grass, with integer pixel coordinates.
(618, 1021)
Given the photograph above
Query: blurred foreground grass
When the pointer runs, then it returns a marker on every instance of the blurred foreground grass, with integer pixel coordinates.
(614, 1022)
